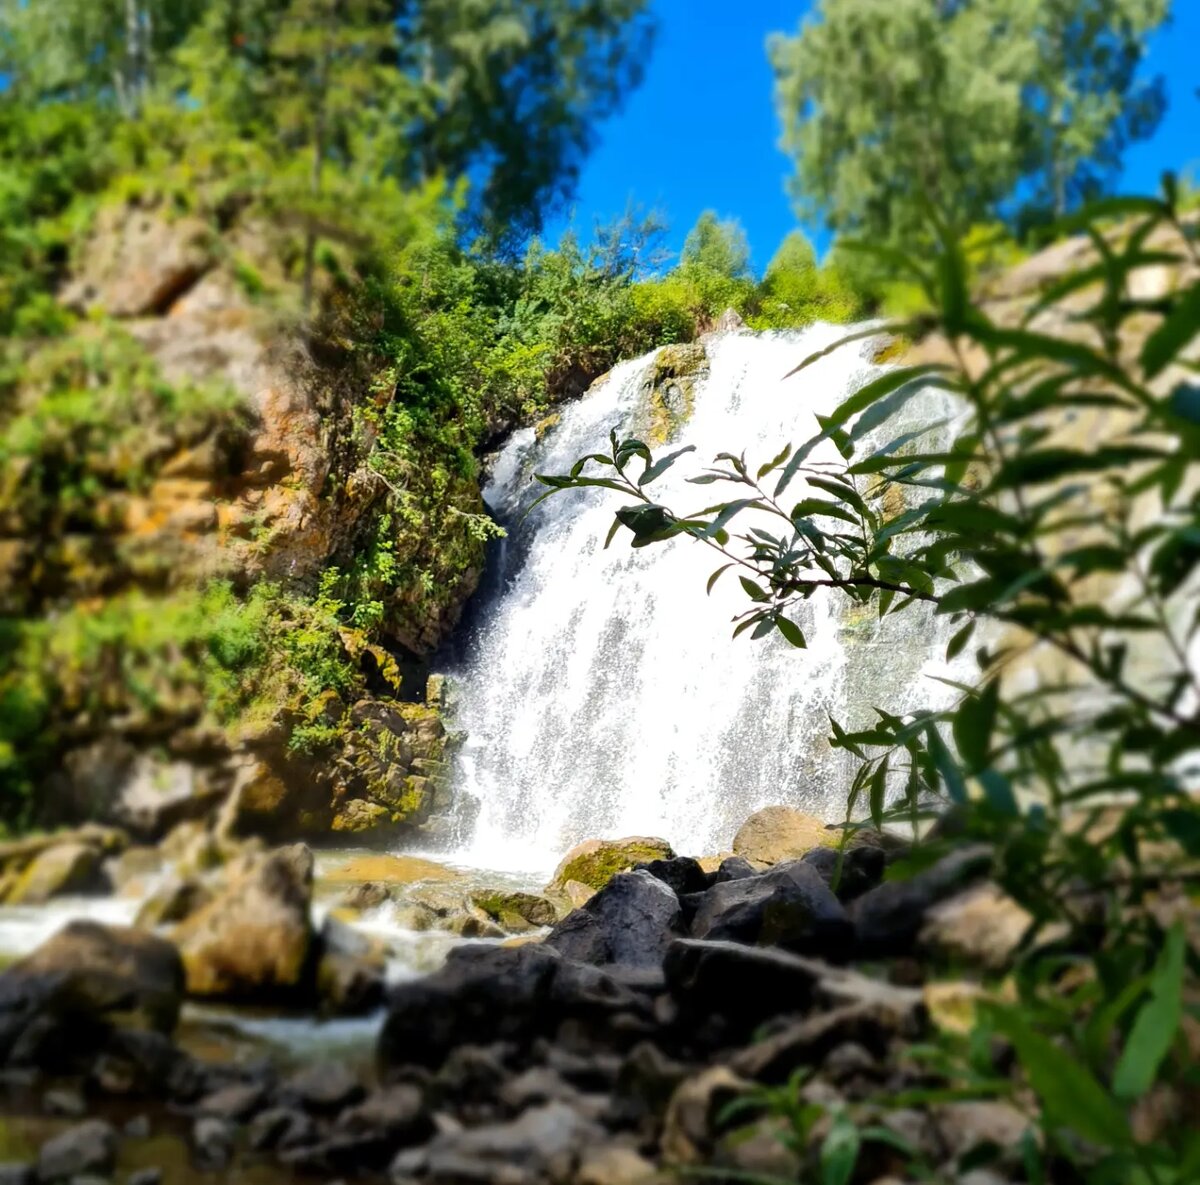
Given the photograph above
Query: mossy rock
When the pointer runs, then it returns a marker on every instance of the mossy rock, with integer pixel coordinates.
(669, 391)
(596, 861)
(504, 906)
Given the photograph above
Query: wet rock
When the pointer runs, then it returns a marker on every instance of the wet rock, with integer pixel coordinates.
(323, 1088)
(889, 918)
(791, 906)
(630, 921)
(778, 833)
(254, 940)
(370, 895)
(94, 974)
(89, 1147)
(350, 970)
(542, 1145)
(212, 1142)
(131, 869)
(236, 1102)
(390, 870)
(503, 906)
(596, 861)
(862, 868)
(682, 873)
(691, 1126)
(173, 903)
(65, 868)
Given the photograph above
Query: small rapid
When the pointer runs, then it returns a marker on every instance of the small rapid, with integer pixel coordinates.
(600, 692)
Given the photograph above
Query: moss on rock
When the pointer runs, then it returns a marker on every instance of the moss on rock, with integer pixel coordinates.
(669, 391)
(596, 861)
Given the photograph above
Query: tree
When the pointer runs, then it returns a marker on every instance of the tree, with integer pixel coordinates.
(975, 106)
(718, 246)
(504, 93)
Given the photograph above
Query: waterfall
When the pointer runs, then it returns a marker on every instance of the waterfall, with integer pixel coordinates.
(600, 691)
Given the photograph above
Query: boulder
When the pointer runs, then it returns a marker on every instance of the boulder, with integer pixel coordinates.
(173, 903)
(861, 868)
(981, 926)
(692, 1124)
(71, 867)
(790, 906)
(322, 1088)
(542, 1145)
(505, 906)
(778, 833)
(889, 918)
(630, 921)
(484, 994)
(254, 941)
(682, 873)
(105, 975)
(88, 1148)
(596, 861)
(397, 1114)
(733, 868)
(350, 970)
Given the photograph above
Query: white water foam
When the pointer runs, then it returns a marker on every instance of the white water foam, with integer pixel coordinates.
(601, 693)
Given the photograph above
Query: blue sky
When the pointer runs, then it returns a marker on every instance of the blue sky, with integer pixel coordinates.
(701, 131)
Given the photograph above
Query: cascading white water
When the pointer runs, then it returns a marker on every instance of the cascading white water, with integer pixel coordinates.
(601, 693)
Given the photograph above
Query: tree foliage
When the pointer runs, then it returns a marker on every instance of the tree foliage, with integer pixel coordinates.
(717, 245)
(979, 107)
(1071, 577)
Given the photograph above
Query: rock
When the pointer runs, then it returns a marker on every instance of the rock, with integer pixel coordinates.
(236, 1102)
(107, 974)
(89, 1147)
(733, 868)
(577, 893)
(729, 322)
(966, 1127)
(741, 983)
(615, 1164)
(323, 1088)
(129, 871)
(596, 861)
(499, 903)
(542, 1145)
(761, 1151)
(395, 1113)
(862, 868)
(630, 921)
(64, 1102)
(138, 1128)
(682, 873)
(691, 1125)
(281, 1128)
(981, 926)
(350, 970)
(361, 898)
(147, 1176)
(778, 833)
(484, 994)
(254, 940)
(173, 903)
(155, 796)
(889, 918)
(212, 1142)
(65, 868)
(390, 870)
(791, 906)
(14, 1172)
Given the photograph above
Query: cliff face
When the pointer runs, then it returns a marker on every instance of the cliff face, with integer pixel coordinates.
(183, 467)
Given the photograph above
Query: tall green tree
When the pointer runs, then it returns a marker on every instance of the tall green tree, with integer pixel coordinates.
(977, 106)
(717, 245)
(503, 93)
